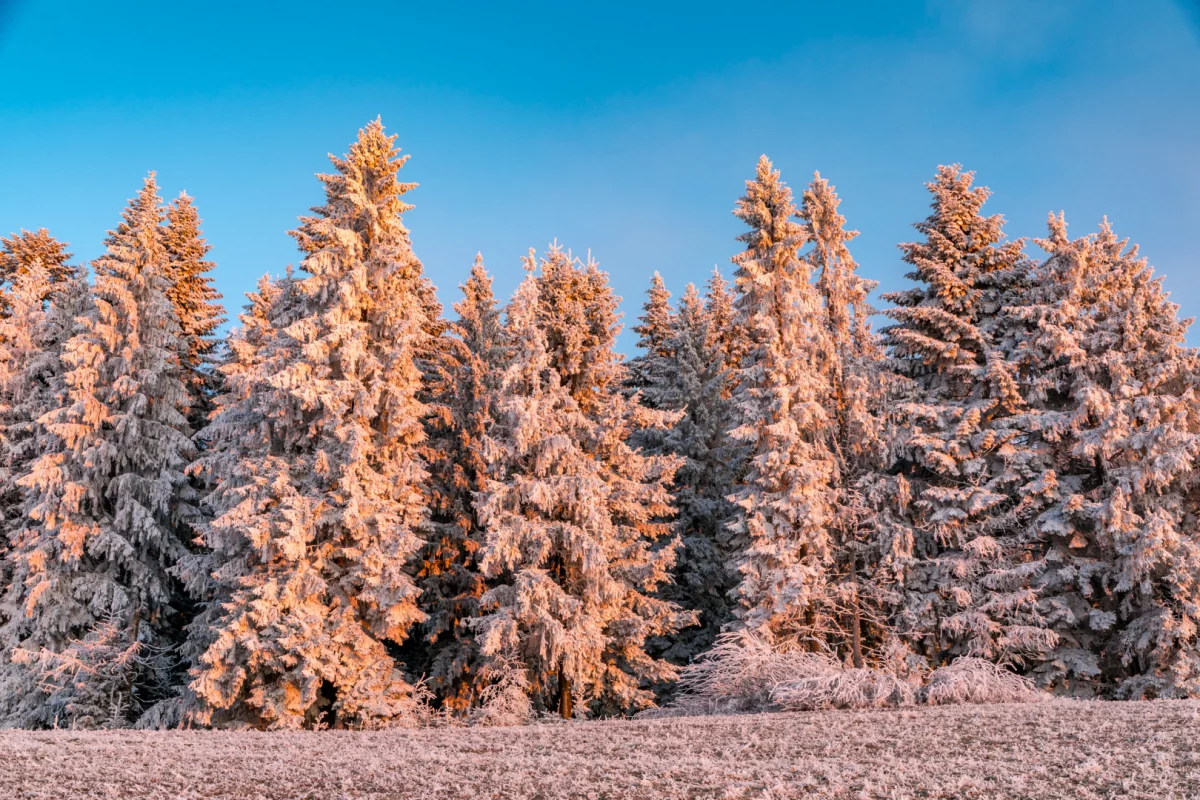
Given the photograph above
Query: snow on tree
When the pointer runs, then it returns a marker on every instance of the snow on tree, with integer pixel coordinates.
(327, 487)
(640, 503)
(862, 532)
(20, 343)
(33, 385)
(727, 329)
(107, 490)
(237, 464)
(650, 374)
(786, 498)
(197, 304)
(20, 252)
(450, 577)
(655, 327)
(1114, 417)
(645, 372)
(698, 384)
(94, 681)
(969, 583)
(571, 511)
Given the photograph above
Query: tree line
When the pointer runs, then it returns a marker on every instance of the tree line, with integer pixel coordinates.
(353, 509)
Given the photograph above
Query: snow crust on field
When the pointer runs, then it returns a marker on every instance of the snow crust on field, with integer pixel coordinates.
(1058, 749)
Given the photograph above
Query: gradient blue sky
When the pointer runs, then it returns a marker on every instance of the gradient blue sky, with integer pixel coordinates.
(623, 128)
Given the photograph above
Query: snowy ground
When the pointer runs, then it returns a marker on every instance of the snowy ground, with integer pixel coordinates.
(1052, 750)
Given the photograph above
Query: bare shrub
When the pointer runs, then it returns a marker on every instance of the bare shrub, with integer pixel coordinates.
(976, 680)
(846, 688)
(739, 674)
(505, 701)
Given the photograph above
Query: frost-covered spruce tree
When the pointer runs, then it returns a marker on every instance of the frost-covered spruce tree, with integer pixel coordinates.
(543, 511)
(861, 531)
(723, 322)
(969, 584)
(786, 498)
(328, 488)
(107, 491)
(571, 511)
(20, 252)
(35, 386)
(1114, 416)
(450, 577)
(647, 372)
(640, 503)
(237, 463)
(699, 386)
(197, 304)
(20, 343)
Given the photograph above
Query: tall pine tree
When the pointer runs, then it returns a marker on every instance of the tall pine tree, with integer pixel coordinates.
(197, 304)
(333, 477)
(572, 513)
(1111, 386)
(786, 499)
(655, 328)
(237, 466)
(697, 382)
(107, 492)
(860, 530)
(969, 580)
(450, 576)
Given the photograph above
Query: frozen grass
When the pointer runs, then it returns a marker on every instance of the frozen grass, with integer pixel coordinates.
(1057, 749)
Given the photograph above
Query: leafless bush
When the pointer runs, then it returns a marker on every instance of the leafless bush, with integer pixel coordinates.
(846, 688)
(745, 672)
(740, 673)
(506, 700)
(976, 680)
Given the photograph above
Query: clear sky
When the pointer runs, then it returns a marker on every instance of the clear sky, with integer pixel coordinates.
(623, 128)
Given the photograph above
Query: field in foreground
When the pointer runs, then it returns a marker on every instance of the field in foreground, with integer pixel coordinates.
(1052, 750)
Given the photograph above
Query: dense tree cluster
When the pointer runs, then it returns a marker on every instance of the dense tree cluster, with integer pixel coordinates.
(352, 512)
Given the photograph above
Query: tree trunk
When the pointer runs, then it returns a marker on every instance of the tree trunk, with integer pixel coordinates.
(565, 707)
(856, 624)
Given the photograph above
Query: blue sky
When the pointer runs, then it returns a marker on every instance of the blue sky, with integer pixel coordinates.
(623, 128)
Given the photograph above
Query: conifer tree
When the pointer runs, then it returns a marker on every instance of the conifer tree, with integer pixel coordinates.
(237, 463)
(196, 302)
(107, 491)
(968, 582)
(650, 373)
(697, 382)
(20, 252)
(35, 385)
(20, 343)
(786, 499)
(571, 511)
(655, 328)
(1113, 416)
(726, 329)
(450, 577)
(646, 372)
(577, 313)
(328, 487)
(856, 406)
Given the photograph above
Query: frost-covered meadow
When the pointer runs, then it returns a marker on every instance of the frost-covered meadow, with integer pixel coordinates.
(1059, 749)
